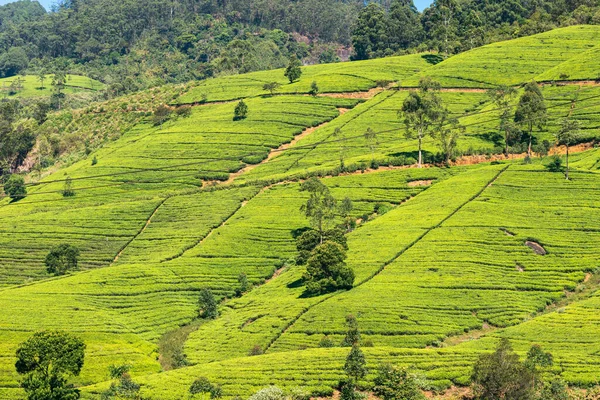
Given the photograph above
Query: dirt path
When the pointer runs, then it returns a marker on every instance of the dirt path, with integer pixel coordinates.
(282, 148)
(140, 231)
(387, 263)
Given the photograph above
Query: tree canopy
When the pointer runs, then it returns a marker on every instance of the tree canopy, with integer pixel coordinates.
(46, 360)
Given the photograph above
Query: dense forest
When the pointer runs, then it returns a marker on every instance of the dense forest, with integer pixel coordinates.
(134, 44)
(453, 26)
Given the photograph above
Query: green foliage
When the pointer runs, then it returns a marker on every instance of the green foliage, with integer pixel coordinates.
(47, 359)
(208, 306)
(326, 342)
(123, 388)
(244, 284)
(356, 365)
(352, 337)
(241, 111)
(314, 89)
(500, 375)
(15, 187)
(269, 393)
(62, 259)
(567, 135)
(394, 383)
(293, 71)
(326, 270)
(203, 386)
(421, 111)
(161, 114)
(320, 206)
(531, 110)
(68, 188)
(271, 87)
(555, 164)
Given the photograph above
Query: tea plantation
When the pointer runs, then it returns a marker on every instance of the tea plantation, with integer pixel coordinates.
(447, 259)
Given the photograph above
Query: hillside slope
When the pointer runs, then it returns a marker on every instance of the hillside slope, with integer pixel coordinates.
(163, 211)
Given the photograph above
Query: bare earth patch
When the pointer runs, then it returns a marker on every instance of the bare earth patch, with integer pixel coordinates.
(419, 183)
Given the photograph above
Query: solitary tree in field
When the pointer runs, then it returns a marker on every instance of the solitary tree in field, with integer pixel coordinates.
(356, 366)
(393, 383)
(320, 206)
(567, 136)
(531, 110)
(271, 87)
(207, 305)
(15, 187)
(353, 333)
(123, 387)
(241, 111)
(326, 269)
(244, 284)
(500, 375)
(293, 71)
(68, 188)
(421, 111)
(161, 114)
(314, 89)
(59, 81)
(47, 360)
(345, 208)
(42, 78)
(447, 134)
(502, 97)
(61, 259)
(371, 138)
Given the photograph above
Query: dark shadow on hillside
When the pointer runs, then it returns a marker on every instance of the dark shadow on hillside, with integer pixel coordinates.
(297, 232)
(433, 58)
(296, 284)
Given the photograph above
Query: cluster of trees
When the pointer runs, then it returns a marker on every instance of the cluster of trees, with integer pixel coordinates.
(425, 115)
(133, 44)
(323, 248)
(451, 26)
(48, 359)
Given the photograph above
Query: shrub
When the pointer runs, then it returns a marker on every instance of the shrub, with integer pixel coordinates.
(68, 188)
(269, 393)
(394, 383)
(203, 386)
(183, 111)
(326, 342)
(555, 164)
(15, 187)
(161, 114)
(254, 159)
(94, 160)
(207, 305)
(256, 350)
(241, 111)
(314, 89)
(381, 208)
(61, 259)
(500, 375)
(293, 70)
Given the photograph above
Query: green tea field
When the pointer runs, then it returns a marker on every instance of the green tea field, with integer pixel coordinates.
(447, 259)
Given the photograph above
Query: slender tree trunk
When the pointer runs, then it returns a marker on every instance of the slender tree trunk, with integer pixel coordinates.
(567, 174)
(530, 139)
(420, 152)
(506, 143)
